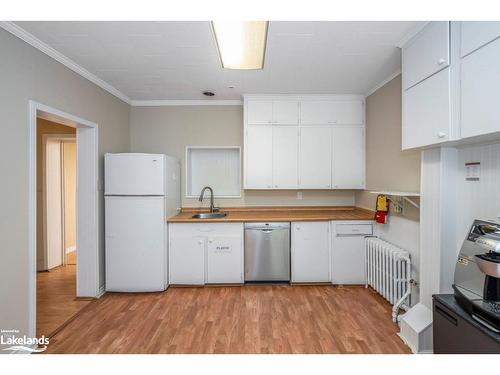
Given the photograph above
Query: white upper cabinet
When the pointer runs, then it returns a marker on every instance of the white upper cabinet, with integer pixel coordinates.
(316, 112)
(259, 112)
(480, 84)
(296, 150)
(258, 157)
(475, 34)
(427, 53)
(348, 163)
(426, 112)
(285, 154)
(286, 112)
(315, 158)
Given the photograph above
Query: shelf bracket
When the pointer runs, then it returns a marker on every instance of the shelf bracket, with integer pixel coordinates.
(411, 202)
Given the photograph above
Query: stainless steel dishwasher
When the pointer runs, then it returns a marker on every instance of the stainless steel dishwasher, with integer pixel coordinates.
(267, 252)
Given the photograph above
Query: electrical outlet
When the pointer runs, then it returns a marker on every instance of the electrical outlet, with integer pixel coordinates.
(299, 195)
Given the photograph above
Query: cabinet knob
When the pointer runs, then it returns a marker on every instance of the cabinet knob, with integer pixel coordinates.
(275, 186)
(441, 134)
(298, 228)
(200, 242)
(210, 240)
(441, 61)
(269, 186)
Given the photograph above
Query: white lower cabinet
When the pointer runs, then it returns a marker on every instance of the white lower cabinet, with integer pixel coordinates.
(310, 251)
(348, 251)
(201, 253)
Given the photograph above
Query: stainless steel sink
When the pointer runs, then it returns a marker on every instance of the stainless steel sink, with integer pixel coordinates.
(209, 215)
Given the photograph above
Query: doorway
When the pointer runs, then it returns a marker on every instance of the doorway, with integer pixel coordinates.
(63, 217)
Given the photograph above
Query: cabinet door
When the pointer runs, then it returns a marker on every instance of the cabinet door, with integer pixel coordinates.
(315, 157)
(310, 251)
(186, 259)
(480, 82)
(317, 112)
(285, 157)
(348, 162)
(348, 260)
(426, 54)
(259, 112)
(258, 157)
(475, 34)
(348, 112)
(426, 112)
(286, 112)
(225, 260)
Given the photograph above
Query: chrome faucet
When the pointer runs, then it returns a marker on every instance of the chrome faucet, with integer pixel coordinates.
(212, 207)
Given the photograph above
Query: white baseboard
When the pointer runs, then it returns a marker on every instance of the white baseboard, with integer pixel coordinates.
(70, 249)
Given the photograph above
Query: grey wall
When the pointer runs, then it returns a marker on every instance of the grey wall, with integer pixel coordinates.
(28, 74)
(170, 129)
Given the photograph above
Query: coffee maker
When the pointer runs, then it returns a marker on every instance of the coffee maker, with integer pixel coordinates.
(477, 274)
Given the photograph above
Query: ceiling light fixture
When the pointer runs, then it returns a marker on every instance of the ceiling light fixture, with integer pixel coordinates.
(241, 44)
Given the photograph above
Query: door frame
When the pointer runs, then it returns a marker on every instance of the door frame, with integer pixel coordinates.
(63, 138)
(87, 221)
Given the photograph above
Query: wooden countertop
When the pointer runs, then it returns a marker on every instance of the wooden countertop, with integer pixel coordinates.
(266, 214)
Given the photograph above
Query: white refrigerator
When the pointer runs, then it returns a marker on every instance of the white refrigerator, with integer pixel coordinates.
(140, 192)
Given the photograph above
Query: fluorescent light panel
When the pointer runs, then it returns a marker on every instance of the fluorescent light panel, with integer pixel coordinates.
(241, 44)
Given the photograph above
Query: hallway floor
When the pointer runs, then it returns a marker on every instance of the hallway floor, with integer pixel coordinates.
(56, 301)
(247, 319)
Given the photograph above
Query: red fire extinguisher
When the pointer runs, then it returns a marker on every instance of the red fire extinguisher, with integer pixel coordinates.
(382, 209)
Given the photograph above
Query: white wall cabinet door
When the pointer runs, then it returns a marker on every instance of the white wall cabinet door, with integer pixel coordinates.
(315, 157)
(286, 112)
(480, 82)
(348, 112)
(426, 54)
(225, 260)
(426, 112)
(285, 157)
(348, 162)
(258, 157)
(317, 112)
(475, 34)
(186, 259)
(310, 251)
(259, 112)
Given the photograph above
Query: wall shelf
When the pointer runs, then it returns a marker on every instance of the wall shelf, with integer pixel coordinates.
(405, 195)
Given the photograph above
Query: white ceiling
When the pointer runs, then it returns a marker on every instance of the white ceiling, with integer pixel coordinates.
(179, 60)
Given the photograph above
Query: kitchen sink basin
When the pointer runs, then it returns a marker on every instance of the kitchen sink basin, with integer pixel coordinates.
(209, 215)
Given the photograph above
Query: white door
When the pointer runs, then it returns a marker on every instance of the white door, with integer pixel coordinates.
(348, 112)
(259, 112)
(53, 204)
(317, 112)
(310, 251)
(480, 83)
(475, 34)
(134, 174)
(426, 54)
(186, 259)
(315, 157)
(225, 260)
(258, 157)
(348, 162)
(135, 244)
(285, 112)
(426, 112)
(285, 157)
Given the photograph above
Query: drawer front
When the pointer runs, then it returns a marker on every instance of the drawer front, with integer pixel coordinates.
(475, 34)
(426, 54)
(354, 229)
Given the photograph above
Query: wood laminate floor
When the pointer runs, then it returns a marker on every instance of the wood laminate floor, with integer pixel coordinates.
(56, 301)
(249, 319)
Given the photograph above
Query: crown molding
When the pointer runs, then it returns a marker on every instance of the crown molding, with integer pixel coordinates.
(22, 34)
(181, 102)
(384, 82)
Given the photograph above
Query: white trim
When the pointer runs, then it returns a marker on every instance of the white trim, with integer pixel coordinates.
(22, 34)
(384, 82)
(409, 35)
(90, 286)
(182, 102)
(300, 97)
